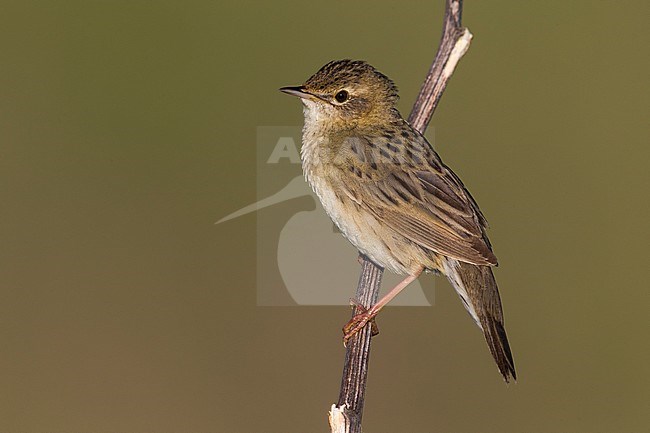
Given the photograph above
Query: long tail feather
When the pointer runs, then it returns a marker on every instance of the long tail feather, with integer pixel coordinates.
(478, 290)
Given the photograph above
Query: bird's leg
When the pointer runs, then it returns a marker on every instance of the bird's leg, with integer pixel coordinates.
(367, 315)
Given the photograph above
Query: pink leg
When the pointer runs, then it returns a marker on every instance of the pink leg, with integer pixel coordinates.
(360, 320)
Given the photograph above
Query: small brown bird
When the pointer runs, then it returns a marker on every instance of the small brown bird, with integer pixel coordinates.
(389, 193)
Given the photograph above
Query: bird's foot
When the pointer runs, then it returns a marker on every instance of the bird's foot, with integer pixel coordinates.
(359, 321)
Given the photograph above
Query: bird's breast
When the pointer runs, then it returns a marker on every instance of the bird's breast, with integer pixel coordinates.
(347, 211)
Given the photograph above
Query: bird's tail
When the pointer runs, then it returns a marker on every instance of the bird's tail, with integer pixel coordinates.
(479, 292)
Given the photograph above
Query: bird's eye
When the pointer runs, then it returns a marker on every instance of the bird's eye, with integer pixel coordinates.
(342, 96)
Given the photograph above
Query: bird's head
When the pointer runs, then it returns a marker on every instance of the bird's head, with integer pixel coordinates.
(347, 93)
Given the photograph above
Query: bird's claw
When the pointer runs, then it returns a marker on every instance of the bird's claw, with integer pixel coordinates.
(359, 321)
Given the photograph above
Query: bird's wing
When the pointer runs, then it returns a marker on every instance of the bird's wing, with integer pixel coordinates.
(416, 195)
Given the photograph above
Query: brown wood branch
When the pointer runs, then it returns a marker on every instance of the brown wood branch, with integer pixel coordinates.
(453, 44)
(346, 416)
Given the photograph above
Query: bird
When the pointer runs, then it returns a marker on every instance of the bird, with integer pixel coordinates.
(393, 198)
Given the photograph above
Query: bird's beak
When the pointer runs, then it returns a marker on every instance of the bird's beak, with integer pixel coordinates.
(298, 91)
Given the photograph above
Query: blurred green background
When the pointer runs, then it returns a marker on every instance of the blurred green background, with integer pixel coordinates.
(128, 127)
